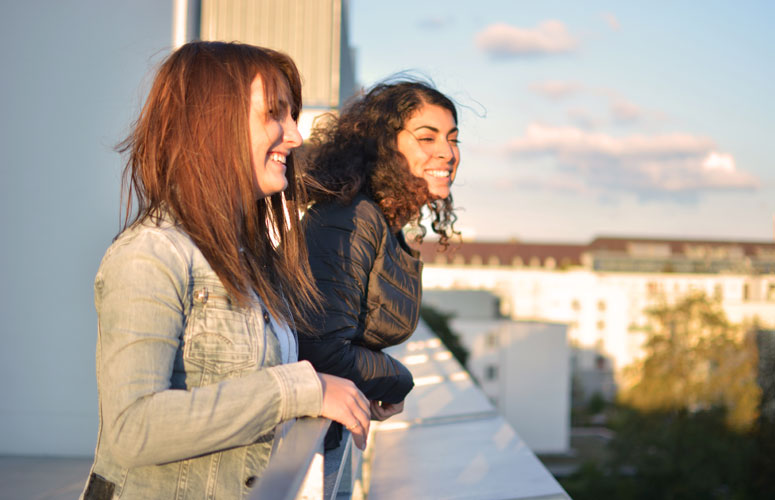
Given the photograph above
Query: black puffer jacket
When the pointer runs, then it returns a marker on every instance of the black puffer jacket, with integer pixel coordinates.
(370, 282)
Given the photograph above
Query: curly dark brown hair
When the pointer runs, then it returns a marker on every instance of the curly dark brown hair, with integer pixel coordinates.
(357, 152)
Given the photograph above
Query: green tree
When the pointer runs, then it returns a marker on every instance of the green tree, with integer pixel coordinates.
(687, 426)
(439, 323)
(696, 359)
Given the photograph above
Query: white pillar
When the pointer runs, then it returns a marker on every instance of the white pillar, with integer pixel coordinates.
(185, 21)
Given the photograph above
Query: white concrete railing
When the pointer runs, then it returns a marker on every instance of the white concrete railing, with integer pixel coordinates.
(300, 470)
(449, 442)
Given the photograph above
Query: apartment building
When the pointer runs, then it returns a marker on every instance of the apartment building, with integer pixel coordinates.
(602, 289)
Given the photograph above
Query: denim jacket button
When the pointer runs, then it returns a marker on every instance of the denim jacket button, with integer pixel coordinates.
(266, 317)
(249, 482)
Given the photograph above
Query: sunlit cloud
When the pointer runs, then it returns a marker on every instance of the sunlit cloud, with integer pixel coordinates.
(645, 164)
(718, 161)
(502, 40)
(544, 138)
(556, 89)
(612, 21)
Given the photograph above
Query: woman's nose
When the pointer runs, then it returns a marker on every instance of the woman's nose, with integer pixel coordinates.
(446, 151)
(291, 134)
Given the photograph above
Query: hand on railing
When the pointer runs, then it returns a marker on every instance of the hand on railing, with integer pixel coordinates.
(382, 411)
(344, 403)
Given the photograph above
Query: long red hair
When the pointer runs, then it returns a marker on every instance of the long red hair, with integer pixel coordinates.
(189, 156)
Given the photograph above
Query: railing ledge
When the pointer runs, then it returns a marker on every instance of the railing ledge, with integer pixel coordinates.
(296, 469)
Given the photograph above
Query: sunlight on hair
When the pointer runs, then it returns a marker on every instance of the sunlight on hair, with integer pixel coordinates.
(274, 234)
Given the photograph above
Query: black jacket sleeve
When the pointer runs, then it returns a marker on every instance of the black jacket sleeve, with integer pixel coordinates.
(343, 247)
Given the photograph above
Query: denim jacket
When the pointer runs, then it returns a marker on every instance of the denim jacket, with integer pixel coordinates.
(191, 386)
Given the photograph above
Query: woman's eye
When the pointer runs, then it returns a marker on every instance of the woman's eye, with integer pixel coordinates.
(455, 141)
(425, 139)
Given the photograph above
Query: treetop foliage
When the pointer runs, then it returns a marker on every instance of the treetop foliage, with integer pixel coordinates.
(695, 359)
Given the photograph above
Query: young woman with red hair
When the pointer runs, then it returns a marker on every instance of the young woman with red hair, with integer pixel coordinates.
(196, 298)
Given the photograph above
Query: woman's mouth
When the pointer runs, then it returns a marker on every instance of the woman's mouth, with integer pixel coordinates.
(278, 157)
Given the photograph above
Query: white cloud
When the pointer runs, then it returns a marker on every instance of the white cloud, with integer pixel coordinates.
(503, 40)
(647, 165)
(625, 111)
(612, 21)
(542, 138)
(719, 162)
(556, 89)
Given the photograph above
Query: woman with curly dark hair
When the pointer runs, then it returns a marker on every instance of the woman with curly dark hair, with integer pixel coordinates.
(370, 172)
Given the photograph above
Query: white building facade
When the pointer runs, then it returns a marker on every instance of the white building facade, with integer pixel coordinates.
(602, 295)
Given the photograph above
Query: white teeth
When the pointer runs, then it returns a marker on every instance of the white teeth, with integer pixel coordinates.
(438, 173)
(277, 157)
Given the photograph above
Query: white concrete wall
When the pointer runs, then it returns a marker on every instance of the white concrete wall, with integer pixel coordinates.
(535, 373)
(73, 79)
(531, 388)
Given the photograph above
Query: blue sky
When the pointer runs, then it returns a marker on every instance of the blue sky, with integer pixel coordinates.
(594, 118)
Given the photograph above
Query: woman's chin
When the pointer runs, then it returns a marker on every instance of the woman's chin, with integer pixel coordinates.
(439, 193)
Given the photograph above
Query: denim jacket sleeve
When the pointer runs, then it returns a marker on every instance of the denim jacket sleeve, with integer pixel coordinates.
(141, 292)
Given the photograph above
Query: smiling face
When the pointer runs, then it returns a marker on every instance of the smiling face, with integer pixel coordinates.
(429, 143)
(273, 134)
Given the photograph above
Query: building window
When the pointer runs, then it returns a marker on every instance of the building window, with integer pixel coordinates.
(575, 305)
(476, 260)
(601, 325)
(601, 305)
(771, 292)
(746, 292)
(718, 291)
(491, 372)
(493, 261)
